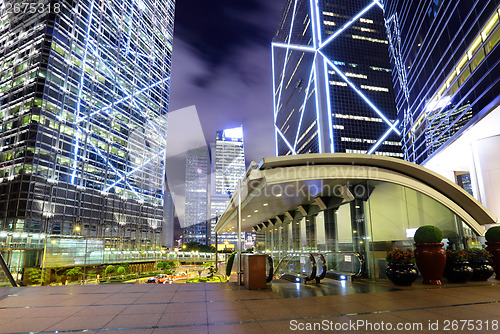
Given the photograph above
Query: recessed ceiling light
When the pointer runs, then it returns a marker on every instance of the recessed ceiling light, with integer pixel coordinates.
(255, 210)
(266, 204)
(278, 195)
(249, 216)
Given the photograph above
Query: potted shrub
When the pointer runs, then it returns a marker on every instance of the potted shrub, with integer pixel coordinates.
(457, 268)
(493, 247)
(480, 262)
(401, 270)
(429, 254)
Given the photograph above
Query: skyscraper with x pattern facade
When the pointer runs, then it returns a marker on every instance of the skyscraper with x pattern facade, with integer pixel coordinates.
(84, 91)
(332, 80)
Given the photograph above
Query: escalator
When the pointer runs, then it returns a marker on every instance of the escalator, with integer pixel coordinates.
(305, 266)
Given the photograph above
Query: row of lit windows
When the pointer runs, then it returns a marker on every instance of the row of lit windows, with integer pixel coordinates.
(369, 141)
(369, 39)
(375, 88)
(358, 118)
(387, 154)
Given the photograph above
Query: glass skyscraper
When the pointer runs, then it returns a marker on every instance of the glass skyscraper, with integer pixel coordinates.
(445, 61)
(228, 163)
(332, 80)
(196, 196)
(444, 68)
(84, 91)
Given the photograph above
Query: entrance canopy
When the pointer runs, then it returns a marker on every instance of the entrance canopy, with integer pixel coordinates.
(279, 188)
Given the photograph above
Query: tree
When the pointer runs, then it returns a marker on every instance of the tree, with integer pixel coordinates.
(196, 246)
(109, 269)
(33, 275)
(74, 272)
(173, 264)
(120, 270)
(160, 265)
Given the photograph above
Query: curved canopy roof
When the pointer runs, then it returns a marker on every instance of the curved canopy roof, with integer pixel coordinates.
(279, 185)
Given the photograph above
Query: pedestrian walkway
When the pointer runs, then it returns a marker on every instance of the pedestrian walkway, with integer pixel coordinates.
(284, 307)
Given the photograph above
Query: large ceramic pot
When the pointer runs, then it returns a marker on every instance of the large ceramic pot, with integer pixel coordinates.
(431, 261)
(494, 248)
(401, 274)
(481, 271)
(458, 272)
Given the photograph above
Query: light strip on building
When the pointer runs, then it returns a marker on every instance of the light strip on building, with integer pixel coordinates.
(347, 25)
(329, 106)
(274, 99)
(98, 151)
(381, 140)
(316, 97)
(294, 47)
(286, 141)
(381, 115)
(134, 170)
(139, 109)
(304, 106)
(286, 54)
(128, 97)
(80, 88)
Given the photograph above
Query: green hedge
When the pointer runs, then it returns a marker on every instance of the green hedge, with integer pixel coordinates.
(428, 234)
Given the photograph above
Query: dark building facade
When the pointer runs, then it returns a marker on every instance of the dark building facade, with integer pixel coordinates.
(84, 90)
(445, 62)
(332, 80)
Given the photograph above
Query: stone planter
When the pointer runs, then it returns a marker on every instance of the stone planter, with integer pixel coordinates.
(481, 271)
(401, 274)
(431, 261)
(458, 272)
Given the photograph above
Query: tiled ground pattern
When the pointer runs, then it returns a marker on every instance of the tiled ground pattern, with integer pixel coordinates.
(228, 308)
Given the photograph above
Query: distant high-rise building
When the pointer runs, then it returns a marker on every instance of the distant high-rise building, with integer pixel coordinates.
(196, 219)
(332, 80)
(228, 163)
(84, 92)
(445, 62)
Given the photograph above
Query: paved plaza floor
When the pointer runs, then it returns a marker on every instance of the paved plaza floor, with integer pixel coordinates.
(333, 306)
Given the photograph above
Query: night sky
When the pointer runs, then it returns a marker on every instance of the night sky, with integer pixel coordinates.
(222, 65)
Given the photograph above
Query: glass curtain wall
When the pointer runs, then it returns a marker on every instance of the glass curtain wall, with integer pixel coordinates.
(383, 216)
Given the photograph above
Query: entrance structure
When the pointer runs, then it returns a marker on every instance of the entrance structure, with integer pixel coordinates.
(350, 204)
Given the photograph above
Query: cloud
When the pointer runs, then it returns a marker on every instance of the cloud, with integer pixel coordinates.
(236, 93)
(222, 65)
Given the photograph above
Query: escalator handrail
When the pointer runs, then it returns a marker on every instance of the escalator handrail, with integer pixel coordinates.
(270, 273)
(313, 268)
(360, 258)
(286, 256)
(312, 276)
(323, 273)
